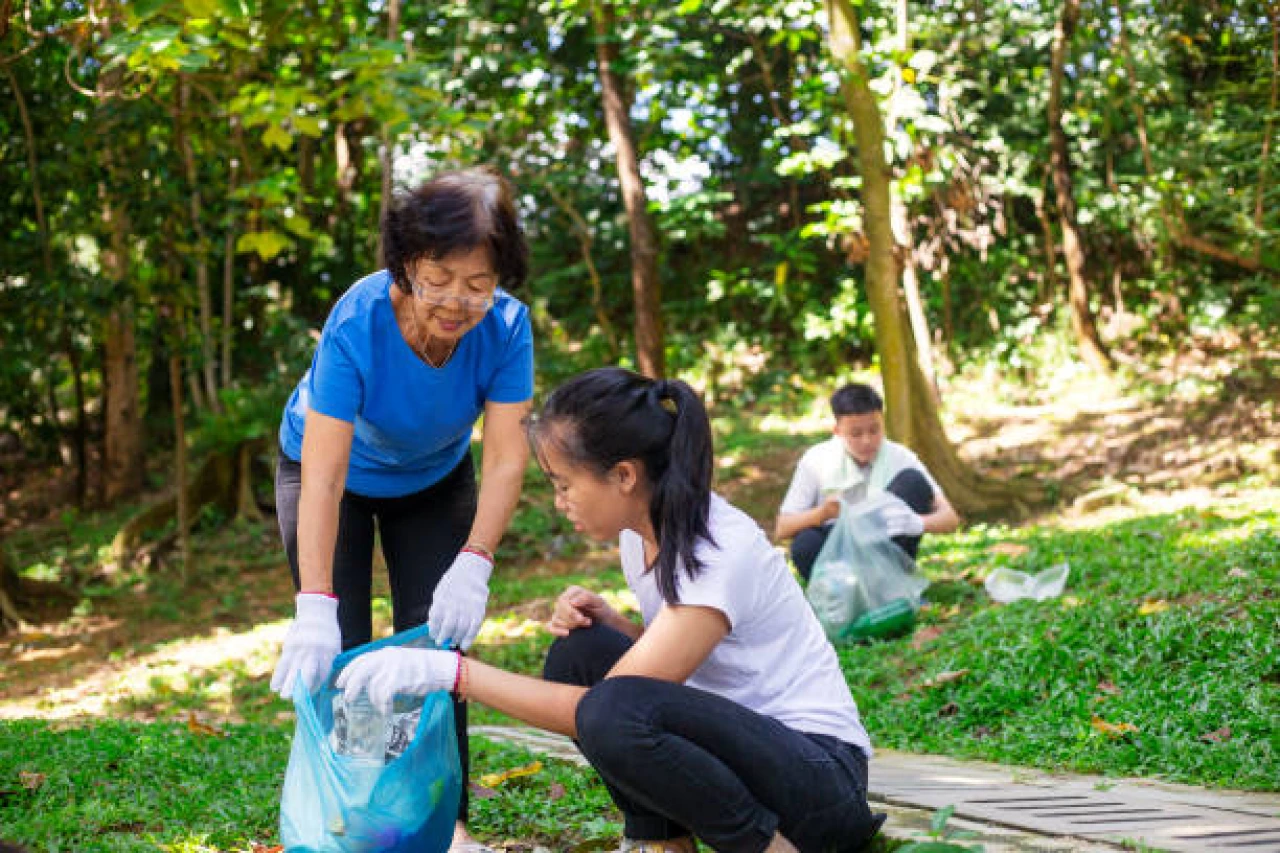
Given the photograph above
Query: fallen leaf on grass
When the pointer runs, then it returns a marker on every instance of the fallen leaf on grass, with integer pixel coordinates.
(480, 792)
(1112, 729)
(1238, 573)
(924, 635)
(1217, 735)
(493, 780)
(30, 780)
(942, 678)
(198, 728)
(949, 710)
(1105, 686)
(1008, 549)
(555, 792)
(255, 847)
(1147, 608)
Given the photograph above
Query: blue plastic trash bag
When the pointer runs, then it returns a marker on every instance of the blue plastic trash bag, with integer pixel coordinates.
(371, 784)
(860, 570)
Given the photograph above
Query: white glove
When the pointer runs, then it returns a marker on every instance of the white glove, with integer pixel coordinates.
(900, 519)
(457, 608)
(387, 672)
(310, 646)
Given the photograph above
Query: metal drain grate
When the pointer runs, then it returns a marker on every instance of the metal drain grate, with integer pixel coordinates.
(1079, 807)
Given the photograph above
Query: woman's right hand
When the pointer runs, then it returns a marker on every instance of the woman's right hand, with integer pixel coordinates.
(312, 643)
(577, 608)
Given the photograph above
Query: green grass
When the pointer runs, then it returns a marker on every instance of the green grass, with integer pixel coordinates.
(120, 786)
(1169, 623)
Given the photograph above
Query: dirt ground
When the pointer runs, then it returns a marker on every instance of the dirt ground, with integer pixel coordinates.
(1211, 431)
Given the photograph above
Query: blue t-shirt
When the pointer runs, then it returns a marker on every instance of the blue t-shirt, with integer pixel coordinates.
(412, 421)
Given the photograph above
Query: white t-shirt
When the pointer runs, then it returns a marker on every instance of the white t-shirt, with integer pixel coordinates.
(827, 469)
(775, 659)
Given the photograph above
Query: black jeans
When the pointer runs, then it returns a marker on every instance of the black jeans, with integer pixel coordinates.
(680, 761)
(420, 534)
(909, 485)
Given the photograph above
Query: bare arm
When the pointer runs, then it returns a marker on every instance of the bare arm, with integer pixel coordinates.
(326, 452)
(675, 645)
(504, 454)
(789, 524)
(943, 518)
(540, 703)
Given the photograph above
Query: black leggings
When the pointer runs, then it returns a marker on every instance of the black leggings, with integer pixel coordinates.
(679, 761)
(420, 533)
(909, 485)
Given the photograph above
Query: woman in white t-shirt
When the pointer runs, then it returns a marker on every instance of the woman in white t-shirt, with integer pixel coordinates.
(725, 717)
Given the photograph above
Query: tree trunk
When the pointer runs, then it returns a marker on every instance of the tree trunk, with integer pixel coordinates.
(387, 154)
(586, 240)
(1273, 13)
(123, 464)
(229, 248)
(208, 366)
(10, 617)
(911, 290)
(180, 447)
(645, 286)
(911, 414)
(1083, 324)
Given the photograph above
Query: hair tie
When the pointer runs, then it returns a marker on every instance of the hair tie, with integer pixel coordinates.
(663, 392)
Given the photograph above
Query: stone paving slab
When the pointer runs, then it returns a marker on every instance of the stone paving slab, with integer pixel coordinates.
(1019, 809)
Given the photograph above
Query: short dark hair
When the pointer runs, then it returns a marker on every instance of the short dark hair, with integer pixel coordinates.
(456, 212)
(856, 399)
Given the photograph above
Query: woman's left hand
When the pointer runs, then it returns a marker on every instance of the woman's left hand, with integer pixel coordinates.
(457, 607)
(384, 673)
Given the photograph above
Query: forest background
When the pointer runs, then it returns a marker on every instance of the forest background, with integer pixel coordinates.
(1008, 214)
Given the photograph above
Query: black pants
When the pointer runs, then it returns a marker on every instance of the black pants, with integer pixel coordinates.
(680, 761)
(909, 484)
(420, 533)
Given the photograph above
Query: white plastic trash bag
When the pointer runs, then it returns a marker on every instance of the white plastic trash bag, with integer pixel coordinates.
(860, 569)
(1005, 585)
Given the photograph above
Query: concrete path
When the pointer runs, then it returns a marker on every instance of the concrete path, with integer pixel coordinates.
(1016, 809)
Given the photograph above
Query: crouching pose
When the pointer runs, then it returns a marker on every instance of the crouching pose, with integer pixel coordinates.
(725, 717)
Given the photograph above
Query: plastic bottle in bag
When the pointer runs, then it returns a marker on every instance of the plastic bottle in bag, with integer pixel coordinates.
(359, 729)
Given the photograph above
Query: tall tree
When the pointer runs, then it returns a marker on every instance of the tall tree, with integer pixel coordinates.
(1083, 324)
(911, 414)
(646, 288)
(122, 450)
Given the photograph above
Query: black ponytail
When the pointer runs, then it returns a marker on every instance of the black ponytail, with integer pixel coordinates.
(605, 416)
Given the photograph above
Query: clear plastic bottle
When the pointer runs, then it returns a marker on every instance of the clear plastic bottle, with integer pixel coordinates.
(359, 729)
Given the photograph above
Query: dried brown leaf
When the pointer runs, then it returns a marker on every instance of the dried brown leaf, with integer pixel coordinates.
(30, 780)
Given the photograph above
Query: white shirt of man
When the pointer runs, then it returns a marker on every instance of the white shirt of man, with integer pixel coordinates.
(827, 470)
(775, 659)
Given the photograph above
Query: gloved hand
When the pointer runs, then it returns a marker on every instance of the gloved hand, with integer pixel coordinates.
(312, 643)
(390, 671)
(900, 519)
(460, 598)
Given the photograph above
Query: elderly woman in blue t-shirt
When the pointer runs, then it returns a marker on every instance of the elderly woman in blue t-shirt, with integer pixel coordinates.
(377, 434)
